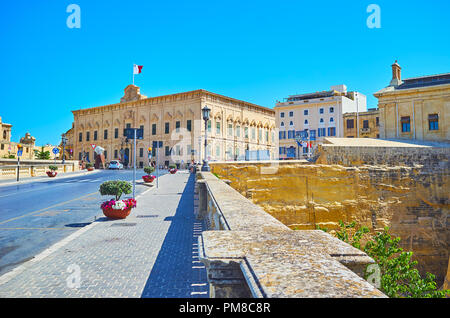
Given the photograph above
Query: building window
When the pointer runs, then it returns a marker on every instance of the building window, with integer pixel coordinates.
(80, 137)
(177, 126)
(95, 135)
(253, 133)
(291, 123)
(116, 133)
(331, 109)
(246, 132)
(153, 129)
(217, 151)
(267, 136)
(4, 134)
(305, 112)
(365, 124)
(106, 154)
(282, 135)
(291, 114)
(433, 122)
(282, 115)
(331, 131)
(166, 128)
(230, 129)
(260, 134)
(189, 125)
(141, 152)
(2, 146)
(105, 134)
(282, 150)
(377, 121)
(115, 154)
(331, 120)
(291, 134)
(88, 136)
(306, 121)
(320, 110)
(142, 128)
(217, 128)
(167, 151)
(238, 131)
(321, 120)
(128, 125)
(282, 124)
(321, 132)
(209, 126)
(406, 124)
(79, 156)
(350, 123)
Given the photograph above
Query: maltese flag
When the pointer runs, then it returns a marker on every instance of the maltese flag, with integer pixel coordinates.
(137, 69)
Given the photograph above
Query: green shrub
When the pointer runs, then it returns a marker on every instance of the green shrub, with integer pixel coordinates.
(53, 168)
(149, 169)
(116, 188)
(172, 166)
(89, 165)
(399, 277)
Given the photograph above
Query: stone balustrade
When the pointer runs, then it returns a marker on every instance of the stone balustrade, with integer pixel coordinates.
(32, 168)
(248, 253)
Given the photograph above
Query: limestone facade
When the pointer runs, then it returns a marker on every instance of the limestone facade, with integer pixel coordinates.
(176, 120)
(320, 113)
(362, 125)
(9, 148)
(415, 108)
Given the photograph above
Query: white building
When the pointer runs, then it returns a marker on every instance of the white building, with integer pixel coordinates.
(320, 113)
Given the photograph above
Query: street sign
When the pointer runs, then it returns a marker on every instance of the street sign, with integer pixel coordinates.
(55, 150)
(19, 153)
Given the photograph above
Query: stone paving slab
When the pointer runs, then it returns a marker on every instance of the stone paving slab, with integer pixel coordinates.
(152, 253)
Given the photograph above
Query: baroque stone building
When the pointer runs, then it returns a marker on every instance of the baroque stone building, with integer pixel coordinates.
(415, 108)
(363, 124)
(234, 127)
(9, 148)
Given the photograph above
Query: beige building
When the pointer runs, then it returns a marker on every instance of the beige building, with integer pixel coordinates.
(234, 127)
(362, 125)
(8, 149)
(320, 113)
(415, 108)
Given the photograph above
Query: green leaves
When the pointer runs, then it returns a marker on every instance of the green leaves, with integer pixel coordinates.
(42, 155)
(116, 188)
(399, 277)
(53, 168)
(149, 169)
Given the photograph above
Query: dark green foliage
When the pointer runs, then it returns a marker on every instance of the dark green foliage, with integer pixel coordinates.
(53, 168)
(149, 169)
(399, 277)
(172, 166)
(42, 155)
(116, 188)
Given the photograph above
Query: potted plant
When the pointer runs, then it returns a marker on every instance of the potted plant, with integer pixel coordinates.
(172, 168)
(116, 208)
(52, 171)
(89, 166)
(149, 177)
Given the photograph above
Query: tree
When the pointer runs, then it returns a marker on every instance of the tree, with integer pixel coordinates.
(399, 277)
(42, 155)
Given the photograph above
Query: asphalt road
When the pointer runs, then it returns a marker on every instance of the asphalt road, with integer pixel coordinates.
(36, 215)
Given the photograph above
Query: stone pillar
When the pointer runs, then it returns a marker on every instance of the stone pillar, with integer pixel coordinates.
(202, 200)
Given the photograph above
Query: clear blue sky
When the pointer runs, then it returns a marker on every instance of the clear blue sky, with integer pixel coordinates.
(259, 51)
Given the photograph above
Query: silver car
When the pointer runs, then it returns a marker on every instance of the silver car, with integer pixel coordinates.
(114, 164)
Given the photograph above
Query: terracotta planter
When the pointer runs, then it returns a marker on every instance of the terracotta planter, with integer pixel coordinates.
(172, 171)
(52, 174)
(90, 169)
(148, 179)
(116, 214)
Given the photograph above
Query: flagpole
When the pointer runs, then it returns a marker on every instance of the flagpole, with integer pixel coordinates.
(133, 74)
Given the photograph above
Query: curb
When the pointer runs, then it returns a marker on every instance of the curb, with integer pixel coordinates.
(39, 179)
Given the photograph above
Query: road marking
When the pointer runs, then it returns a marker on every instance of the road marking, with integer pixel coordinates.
(198, 293)
(35, 228)
(193, 285)
(47, 208)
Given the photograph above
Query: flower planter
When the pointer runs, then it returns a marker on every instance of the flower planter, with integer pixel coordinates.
(52, 174)
(90, 169)
(148, 179)
(172, 171)
(110, 211)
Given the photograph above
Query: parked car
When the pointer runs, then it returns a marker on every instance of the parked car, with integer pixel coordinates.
(114, 164)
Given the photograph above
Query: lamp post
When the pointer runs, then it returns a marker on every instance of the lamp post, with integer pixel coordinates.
(205, 113)
(64, 141)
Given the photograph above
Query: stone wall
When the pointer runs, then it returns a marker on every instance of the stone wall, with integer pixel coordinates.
(412, 200)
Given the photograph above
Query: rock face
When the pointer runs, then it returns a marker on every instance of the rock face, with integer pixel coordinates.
(412, 201)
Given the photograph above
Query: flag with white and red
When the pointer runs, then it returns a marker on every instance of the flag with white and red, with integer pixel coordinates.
(137, 69)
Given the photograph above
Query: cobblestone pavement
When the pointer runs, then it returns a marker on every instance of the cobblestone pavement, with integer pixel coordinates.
(152, 253)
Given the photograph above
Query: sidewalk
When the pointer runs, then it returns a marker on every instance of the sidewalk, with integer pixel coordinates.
(10, 182)
(152, 253)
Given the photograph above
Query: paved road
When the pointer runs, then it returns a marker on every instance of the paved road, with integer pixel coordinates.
(34, 216)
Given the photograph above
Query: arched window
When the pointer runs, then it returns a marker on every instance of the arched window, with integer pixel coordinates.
(4, 134)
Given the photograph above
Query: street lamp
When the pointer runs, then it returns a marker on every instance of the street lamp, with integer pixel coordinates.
(64, 142)
(205, 113)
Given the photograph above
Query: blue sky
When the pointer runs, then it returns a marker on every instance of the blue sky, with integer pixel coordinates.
(259, 51)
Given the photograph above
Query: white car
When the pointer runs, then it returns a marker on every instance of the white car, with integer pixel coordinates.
(114, 164)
